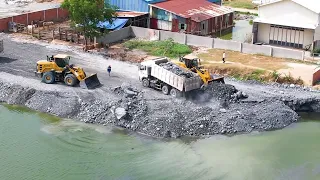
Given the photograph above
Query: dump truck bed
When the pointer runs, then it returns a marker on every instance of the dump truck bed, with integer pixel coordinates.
(179, 82)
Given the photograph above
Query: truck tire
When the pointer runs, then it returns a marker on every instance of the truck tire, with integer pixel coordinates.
(145, 82)
(165, 89)
(70, 80)
(48, 77)
(175, 93)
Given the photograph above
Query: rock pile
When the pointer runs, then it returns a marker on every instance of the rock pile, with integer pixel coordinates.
(224, 92)
(176, 69)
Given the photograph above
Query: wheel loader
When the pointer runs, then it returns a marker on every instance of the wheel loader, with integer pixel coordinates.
(192, 62)
(57, 69)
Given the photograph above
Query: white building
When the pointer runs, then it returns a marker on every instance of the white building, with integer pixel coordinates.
(290, 23)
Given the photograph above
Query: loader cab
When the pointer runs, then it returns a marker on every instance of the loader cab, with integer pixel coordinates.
(190, 61)
(60, 59)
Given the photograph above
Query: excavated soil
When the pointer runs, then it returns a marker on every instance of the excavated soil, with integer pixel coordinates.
(235, 107)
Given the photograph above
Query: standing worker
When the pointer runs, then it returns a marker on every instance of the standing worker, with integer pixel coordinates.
(223, 57)
(109, 69)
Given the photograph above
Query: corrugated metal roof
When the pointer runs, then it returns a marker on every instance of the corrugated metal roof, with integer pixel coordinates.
(129, 14)
(197, 10)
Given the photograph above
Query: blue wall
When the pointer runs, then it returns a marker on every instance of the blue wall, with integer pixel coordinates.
(133, 5)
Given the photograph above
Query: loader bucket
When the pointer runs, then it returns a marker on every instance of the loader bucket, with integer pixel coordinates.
(90, 82)
(219, 80)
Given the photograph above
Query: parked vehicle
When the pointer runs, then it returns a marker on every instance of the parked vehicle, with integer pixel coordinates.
(151, 74)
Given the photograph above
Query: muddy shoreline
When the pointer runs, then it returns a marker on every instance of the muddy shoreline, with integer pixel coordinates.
(238, 107)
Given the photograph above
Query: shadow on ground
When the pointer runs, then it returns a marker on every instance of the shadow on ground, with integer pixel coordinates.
(4, 60)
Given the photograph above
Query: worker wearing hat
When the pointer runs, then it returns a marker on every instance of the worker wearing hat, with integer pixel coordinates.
(109, 69)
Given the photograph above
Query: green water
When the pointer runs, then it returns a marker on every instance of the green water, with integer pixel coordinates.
(37, 147)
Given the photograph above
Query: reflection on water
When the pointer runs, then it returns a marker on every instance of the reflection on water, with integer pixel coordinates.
(240, 32)
(33, 147)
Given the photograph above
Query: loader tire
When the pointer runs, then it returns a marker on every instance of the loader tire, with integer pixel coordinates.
(70, 80)
(48, 77)
(165, 89)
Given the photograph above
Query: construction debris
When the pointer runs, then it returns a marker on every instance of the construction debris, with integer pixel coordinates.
(176, 69)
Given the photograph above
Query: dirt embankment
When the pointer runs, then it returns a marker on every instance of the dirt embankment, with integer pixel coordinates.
(219, 109)
(122, 101)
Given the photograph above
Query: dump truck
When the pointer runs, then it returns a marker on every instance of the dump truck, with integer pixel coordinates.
(153, 75)
(192, 63)
(57, 69)
(1, 46)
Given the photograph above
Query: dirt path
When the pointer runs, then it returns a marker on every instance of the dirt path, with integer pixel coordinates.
(303, 71)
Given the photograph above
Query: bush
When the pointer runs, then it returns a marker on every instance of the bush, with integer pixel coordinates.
(166, 48)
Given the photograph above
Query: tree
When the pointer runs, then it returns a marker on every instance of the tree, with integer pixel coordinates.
(86, 14)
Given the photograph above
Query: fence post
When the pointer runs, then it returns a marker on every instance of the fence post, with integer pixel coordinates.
(57, 13)
(271, 51)
(52, 34)
(302, 58)
(95, 42)
(59, 33)
(212, 43)
(66, 33)
(241, 47)
(185, 39)
(159, 35)
(39, 34)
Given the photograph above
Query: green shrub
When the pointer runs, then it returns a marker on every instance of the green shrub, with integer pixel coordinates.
(167, 48)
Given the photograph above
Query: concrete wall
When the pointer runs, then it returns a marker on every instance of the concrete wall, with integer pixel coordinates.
(177, 37)
(116, 36)
(254, 49)
(287, 53)
(226, 44)
(151, 34)
(199, 41)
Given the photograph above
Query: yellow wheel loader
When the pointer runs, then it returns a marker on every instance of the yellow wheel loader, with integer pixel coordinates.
(57, 69)
(192, 62)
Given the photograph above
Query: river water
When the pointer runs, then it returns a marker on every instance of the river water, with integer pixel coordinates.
(36, 146)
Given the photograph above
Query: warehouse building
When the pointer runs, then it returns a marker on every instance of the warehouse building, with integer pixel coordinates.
(288, 23)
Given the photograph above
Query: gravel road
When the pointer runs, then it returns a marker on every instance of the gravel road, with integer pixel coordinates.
(122, 101)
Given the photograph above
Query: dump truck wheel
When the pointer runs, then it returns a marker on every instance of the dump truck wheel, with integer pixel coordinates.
(145, 82)
(70, 80)
(175, 92)
(165, 89)
(48, 77)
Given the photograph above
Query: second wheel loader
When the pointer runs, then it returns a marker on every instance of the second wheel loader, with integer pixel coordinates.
(57, 69)
(192, 62)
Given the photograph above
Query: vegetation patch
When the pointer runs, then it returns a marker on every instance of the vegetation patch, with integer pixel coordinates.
(246, 4)
(245, 73)
(167, 48)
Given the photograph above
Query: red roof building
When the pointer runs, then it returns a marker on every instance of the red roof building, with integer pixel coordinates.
(199, 17)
